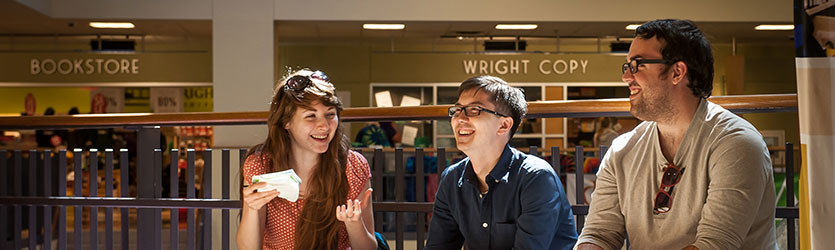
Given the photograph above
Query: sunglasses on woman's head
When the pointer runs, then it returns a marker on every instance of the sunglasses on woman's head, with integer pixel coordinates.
(298, 83)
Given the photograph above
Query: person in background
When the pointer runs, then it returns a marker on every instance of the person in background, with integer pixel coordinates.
(692, 175)
(497, 197)
(373, 135)
(305, 134)
(605, 134)
(48, 138)
(391, 133)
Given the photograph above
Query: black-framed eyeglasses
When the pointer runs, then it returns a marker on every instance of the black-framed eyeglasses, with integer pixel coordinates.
(664, 198)
(632, 66)
(471, 111)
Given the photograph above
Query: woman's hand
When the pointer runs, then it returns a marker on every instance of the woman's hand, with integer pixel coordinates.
(255, 200)
(351, 211)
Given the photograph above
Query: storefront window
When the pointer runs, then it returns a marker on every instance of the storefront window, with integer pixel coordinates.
(531, 132)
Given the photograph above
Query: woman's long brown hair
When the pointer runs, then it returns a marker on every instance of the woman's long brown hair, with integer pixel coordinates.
(327, 186)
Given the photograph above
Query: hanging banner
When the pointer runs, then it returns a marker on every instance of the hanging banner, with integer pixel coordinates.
(167, 100)
(199, 100)
(114, 99)
(29, 103)
(98, 105)
(815, 88)
(815, 67)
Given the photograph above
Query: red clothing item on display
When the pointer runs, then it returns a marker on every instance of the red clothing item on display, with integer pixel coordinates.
(282, 214)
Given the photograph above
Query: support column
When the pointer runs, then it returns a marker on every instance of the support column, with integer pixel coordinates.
(243, 69)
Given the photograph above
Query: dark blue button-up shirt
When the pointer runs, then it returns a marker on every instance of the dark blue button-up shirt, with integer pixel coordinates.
(525, 207)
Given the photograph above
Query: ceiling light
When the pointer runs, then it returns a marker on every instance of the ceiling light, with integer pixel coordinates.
(774, 27)
(383, 26)
(632, 26)
(105, 25)
(516, 26)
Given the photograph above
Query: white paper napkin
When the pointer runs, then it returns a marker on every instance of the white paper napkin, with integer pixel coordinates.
(286, 182)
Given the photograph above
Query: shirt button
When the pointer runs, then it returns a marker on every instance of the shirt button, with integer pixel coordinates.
(480, 196)
(484, 225)
(497, 181)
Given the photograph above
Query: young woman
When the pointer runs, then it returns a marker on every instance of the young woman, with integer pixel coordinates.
(305, 134)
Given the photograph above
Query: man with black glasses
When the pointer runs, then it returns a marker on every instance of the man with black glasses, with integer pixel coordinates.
(497, 197)
(692, 175)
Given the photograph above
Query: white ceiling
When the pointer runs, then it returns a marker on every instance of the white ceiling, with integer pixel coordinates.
(21, 21)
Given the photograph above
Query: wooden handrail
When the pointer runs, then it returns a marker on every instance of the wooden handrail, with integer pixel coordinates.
(573, 108)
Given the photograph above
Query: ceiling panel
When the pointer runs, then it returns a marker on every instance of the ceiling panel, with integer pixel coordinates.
(19, 20)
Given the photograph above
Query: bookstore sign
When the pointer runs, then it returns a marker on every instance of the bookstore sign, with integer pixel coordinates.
(84, 68)
(89, 66)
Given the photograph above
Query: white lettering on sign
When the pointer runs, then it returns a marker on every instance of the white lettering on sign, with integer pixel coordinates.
(66, 66)
(561, 66)
(515, 67)
(501, 67)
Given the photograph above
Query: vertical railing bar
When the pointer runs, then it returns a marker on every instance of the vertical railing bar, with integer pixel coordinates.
(4, 174)
(378, 172)
(224, 214)
(790, 173)
(94, 192)
(174, 193)
(555, 160)
(420, 195)
(47, 192)
(398, 174)
(147, 139)
(579, 182)
(441, 162)
(420, 188)
(124, 169)
(108, 192)
(379, 159)
(17, 188)
(207, 194)
(78, 232)
(62, 191)
(398, 194)
(399, 230)
(157, 178)
(190, 194)
(790, 194)
(33, 210)
(242, 157)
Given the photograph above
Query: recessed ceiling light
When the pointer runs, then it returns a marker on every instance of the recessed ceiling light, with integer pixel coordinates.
(774, 27)
(516, 26)
(383, 26)
(112, 25)
(632, 26)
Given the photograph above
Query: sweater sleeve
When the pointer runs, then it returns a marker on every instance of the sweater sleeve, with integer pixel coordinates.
(739, 172)
(605, 225)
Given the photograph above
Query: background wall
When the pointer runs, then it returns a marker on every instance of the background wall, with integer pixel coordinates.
(768, 69)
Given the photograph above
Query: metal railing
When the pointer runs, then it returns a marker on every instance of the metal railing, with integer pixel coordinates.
(149, 201)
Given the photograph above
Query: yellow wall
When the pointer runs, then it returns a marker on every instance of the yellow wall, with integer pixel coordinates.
(60, 99)
(769, 69)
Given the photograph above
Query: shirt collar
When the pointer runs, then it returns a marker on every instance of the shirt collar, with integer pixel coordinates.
(499, 173)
